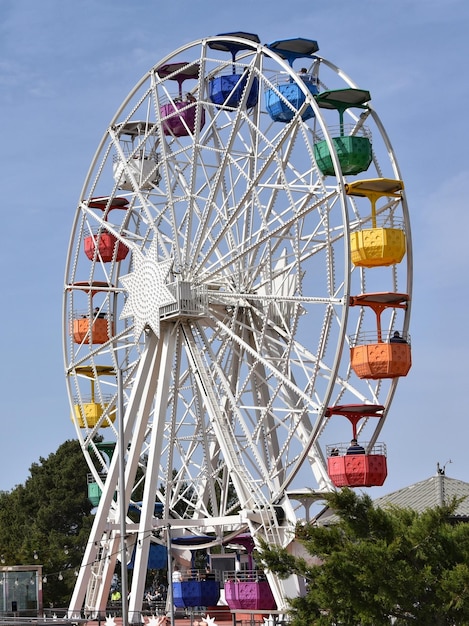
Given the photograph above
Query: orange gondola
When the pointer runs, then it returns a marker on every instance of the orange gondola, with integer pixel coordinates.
(376, 355)
(94, 326)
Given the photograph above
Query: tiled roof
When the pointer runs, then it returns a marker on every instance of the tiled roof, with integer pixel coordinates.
(429, 493)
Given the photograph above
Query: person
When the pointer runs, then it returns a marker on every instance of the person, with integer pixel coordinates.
(303, 73)
(190, 97)
(96, 313)
(355, 448)
(335, 452)
(149, 596)
(396, 338)
(177, 576)
(116, 595)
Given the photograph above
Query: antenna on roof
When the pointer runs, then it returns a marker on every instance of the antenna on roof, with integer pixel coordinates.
(442, 470)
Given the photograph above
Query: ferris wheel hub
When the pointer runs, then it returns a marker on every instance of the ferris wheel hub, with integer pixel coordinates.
(147, 291)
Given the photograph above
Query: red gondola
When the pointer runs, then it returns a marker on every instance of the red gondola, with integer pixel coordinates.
(365, 467)
(102, 242)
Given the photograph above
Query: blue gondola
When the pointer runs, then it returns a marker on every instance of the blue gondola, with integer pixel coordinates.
(283, 101)
(228, 89)
(157, 557)
(187, 593)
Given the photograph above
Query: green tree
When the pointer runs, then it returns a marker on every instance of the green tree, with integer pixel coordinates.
(49, 516)
(379, 566)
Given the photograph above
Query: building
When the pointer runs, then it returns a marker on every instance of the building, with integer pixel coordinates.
(437, 490)
(21, 590)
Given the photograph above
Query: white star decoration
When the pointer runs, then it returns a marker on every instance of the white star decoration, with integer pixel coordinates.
(147, 291)
(110, 621)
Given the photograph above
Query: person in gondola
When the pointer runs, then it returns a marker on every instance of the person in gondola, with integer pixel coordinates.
(396, 338)
(335, 452)
(355, 448)
(303, 74)
(209, 575)
(176, 576)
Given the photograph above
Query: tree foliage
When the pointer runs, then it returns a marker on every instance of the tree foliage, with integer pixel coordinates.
(380, 566)
(49, 516)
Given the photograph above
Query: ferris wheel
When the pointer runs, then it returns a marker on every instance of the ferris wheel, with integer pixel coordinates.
(239, 259)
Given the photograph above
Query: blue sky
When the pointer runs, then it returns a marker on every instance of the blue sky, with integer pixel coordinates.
(66, 66)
